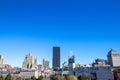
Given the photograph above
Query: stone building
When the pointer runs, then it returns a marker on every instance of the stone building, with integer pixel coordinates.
(29, 74)
(95, 73)
(1, 60)
(113, 58)
(45, 64)
(29, 62)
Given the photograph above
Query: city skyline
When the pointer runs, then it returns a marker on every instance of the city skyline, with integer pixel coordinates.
(71, 54)
(88, 28)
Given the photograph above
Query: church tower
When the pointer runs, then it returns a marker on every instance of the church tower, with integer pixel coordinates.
(29, 62)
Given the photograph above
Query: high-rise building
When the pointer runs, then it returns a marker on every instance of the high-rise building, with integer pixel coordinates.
(1, 60)
(71, 59)
(71, 64)
(29, 62)
(45, 64)
(56, 57)
(113, 58)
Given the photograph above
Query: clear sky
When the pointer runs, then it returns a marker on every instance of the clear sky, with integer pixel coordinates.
(90, 28)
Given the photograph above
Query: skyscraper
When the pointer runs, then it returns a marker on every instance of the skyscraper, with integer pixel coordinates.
(113, 58)
(45, 64)
(1, 60)
(71, 64)
(56, 57)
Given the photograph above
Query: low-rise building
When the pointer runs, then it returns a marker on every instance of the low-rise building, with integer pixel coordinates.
(96, 72)
(29, 74)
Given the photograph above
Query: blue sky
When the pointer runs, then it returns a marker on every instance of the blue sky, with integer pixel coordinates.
(90, 28)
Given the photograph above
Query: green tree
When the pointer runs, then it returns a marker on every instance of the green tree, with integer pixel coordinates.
(33, 78)
(40, 77)
(54, 78)
(73, 78)
(8, 77)
(2, 78)
(82, 77)
(28, 79)
(67, 77)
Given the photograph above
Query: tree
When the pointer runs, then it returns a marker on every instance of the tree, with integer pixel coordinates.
(54, 78)
(67, 77)
(82, 77)
(28, 79)
(8, 77)
(2, 78)
(20, 78)
(40, 77)
(73, 78)
(33, 78)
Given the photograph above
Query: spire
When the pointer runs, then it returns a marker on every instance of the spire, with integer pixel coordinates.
(29, 53)
(71, 54)
(35, 60)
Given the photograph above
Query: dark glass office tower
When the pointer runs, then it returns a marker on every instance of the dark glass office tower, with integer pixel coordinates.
(56, 57)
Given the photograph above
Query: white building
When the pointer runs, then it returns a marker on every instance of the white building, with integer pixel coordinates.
(96, 72)
(29, 74)
(113, 58)
(45, 64)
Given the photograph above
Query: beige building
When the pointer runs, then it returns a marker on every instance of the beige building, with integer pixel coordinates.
(113, 58)
(1, 60)
(29, 63)
(45, 64)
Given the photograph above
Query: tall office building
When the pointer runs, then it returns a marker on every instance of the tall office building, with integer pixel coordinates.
(113, 58)
(56, 57)
(45, 64)
(71, 64)
(71, 59)
(1, 60)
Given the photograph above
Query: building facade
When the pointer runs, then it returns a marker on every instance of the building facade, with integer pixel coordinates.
(71, 64)
(29, 63)
(113, 58)
(99, 62)
(45, 64)
(1, 60)
(56, 57)
(95, 73)
(29, 74)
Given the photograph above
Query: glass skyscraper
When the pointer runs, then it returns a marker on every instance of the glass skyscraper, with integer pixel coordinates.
(56, 57)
